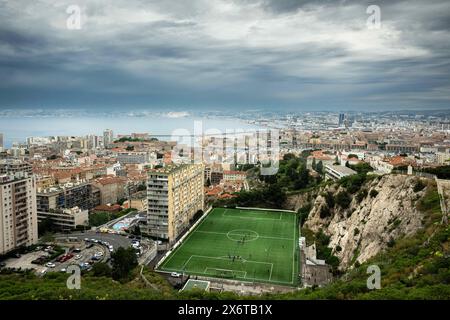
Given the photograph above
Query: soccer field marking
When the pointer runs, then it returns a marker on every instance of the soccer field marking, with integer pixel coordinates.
(228, 270)
(181, 244)
(184, 269)
(223, 258)
(293, 252)
(268, 274)
(240, 233)
(247, 278)
(271, 269)
(245, 212)
(260, 236)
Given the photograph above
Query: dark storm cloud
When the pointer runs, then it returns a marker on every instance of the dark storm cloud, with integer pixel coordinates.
(223, 53)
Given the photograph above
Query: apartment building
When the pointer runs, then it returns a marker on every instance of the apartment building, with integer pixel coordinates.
(174, 195)
(132, 157)
(66, 219)
(337, 172)
(108, 138)
(11, 166)
(112, 189)
(83, 195)
(18, 215)
(234, 176)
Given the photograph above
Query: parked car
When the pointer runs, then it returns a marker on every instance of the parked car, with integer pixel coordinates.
(50, 265)
(78, 257)
(175, 274)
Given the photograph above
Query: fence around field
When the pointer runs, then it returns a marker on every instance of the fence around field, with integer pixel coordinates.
(263, 209)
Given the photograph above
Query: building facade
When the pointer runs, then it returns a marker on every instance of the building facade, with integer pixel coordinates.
(112, 189)
(83, 195)
(66, 219)
(132, 157)
(174, 195)
(337, 172)
(18, 214)
(11, 166)
(108, 138)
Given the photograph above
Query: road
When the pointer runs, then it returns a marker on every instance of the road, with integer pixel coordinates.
(114, 239)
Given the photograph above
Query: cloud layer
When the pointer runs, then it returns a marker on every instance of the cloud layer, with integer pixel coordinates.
(225, 54)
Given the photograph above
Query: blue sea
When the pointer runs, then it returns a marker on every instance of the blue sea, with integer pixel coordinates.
(17, 129)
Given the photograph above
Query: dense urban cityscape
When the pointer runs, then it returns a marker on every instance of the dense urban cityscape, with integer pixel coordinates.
(152, 193)
(223, 158)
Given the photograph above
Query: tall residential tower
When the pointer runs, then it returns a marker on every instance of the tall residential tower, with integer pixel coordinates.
(174, 194)
(18, 214)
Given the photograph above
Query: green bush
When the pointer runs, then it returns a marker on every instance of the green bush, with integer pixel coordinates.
(361, 195)
(354, 182)
(325, 212)
(343, 199)
(419, 186)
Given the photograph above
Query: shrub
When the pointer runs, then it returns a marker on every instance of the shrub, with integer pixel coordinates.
(343, 199)
(373, 193)
(353, 183)
(325, 212)
(361, 195)
(303, 213)
(418, 186)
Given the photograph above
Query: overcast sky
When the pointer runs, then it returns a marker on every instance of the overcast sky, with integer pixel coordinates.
(275, 54)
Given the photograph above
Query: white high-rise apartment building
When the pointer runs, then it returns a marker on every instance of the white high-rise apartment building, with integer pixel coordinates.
(108, 137)
(174, 194)
(18, 213)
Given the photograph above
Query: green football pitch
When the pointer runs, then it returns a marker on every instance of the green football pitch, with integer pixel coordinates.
(240, 244)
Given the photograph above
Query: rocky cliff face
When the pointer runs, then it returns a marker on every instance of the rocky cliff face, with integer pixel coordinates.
(384, 211)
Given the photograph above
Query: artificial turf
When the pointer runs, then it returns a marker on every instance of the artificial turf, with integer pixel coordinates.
(240, 244)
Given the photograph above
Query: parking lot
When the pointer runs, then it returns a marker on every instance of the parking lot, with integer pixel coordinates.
(114, 239)
(85, 258)
(24, 261)
(82, 253)
(83, 249)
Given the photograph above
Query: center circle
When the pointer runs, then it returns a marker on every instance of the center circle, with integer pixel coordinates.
(243, 235)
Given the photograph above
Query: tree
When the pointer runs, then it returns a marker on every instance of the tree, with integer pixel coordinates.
(46, 226)
(101, 269)
(319, 167)
(343, 199)
(142, 187)
(136, 230)
(313, 165)
(123, 261)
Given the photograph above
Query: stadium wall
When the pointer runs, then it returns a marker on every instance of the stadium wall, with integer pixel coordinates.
(265, 209)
